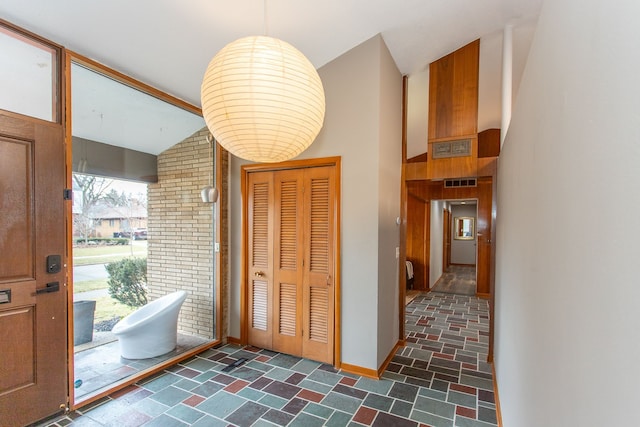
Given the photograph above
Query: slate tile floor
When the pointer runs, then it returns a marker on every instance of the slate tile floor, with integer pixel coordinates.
(101, 366)
(439, 379)
(457, 279)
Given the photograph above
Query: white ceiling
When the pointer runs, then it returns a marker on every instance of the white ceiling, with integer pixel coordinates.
(107, 111)
(168, 43)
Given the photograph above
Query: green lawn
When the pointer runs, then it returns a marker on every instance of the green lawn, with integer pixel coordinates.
(107, 308)
(89, 285)
(103, 254)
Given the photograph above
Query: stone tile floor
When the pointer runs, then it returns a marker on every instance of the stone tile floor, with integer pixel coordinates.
(458, 279)
(439, 379)
(101, 366)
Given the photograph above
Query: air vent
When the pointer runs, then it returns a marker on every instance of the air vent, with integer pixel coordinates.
(463, 182)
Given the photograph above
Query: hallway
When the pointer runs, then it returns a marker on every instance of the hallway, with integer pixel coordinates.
(439, 379)
(458, 279)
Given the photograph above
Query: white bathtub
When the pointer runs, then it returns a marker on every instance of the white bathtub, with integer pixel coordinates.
(152, 329)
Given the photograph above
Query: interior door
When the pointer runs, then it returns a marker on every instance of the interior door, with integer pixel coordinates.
(33, 292)
(318, 280)
(291, 266)
(288, 253)
(260, 259)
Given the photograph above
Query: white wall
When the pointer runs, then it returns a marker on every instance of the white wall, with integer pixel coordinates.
(567, 289)
(490, 71)
(359, 126)
(389, 175)
(463, 251)
(436, 254)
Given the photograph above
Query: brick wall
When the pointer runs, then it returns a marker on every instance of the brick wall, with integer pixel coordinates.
(181, 233)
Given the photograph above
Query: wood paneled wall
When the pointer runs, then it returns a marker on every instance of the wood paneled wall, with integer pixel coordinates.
(453, 110)
(453, 94)
(418, 220)
(489, 143)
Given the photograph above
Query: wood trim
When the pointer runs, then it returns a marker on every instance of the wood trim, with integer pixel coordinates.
(454, 138)
(234, 340)
(244, 260)
(419, 158)
(383, 367)
(218, 255)
(130, 81)
(245, 170)
(402, 277)
(405, 103)
(358, 370)
(292, 164)
(59, 79)
(337, 306)
(371, 373)
(143, 374)
(69, 228)
(483, 295)
(497, 396)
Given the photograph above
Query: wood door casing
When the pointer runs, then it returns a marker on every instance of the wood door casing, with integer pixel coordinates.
(417, 245)
(446, 239)
(434, 190)
(33, 326)
(483, 231)
(290, 261)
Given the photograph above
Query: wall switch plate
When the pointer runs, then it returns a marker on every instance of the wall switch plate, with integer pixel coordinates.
(397, 252)
(216, 247)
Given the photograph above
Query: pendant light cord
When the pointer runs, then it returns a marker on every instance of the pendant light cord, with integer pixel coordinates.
(264, 17)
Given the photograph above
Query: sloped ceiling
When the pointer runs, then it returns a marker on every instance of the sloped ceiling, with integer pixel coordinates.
(168, 43)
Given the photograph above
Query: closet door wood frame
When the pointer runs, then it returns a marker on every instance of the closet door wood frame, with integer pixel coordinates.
(249, 276)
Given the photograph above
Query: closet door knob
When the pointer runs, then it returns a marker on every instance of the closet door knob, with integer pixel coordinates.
(259, 274)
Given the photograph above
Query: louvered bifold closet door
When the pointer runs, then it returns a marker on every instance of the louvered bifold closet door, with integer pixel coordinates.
(318, 280)
(260, 258)
(287, 272)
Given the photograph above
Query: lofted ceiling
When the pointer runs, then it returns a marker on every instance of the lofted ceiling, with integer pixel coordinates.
(169, 43)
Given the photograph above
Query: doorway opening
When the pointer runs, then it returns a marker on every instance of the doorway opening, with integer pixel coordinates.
(458, 241)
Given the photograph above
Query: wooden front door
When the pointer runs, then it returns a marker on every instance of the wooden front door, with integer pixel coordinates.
(33, 293)
(291, 267)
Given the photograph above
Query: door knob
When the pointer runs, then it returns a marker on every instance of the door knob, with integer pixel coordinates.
(259, 274)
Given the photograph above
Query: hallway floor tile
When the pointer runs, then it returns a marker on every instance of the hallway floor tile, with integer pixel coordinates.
(440, 378)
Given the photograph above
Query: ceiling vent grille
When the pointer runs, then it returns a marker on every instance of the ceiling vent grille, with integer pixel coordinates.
(462, 182)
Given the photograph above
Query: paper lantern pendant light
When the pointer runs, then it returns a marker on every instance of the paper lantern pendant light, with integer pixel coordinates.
(262, 99)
